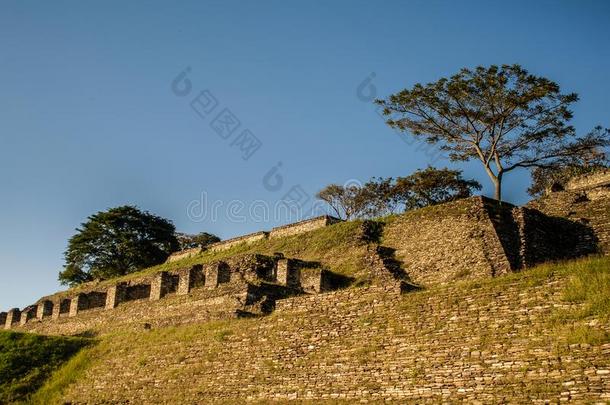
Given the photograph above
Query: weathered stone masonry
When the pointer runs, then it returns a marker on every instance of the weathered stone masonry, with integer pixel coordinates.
(372, 344)
(471, 238)
(244, 284)
(13, 317)
(585, 202)
(280, 231)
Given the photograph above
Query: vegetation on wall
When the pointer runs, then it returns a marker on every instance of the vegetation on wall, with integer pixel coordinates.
(201, 239)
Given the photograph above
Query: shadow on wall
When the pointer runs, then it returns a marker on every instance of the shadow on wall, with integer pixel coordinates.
(530, 237)
(555, 238)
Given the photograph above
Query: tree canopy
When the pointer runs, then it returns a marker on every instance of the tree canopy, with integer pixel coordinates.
(502, 116)
(202, 239)
(433, 186)
(382, 196)
(116, 242)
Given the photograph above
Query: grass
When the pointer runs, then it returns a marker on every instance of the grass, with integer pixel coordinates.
(589, 285)
(27, 360)
(52, 390)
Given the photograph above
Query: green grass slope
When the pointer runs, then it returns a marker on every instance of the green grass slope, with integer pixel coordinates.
(27, 360)
(542, 334)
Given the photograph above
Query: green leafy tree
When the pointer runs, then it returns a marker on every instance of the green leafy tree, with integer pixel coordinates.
(433, 186)
(119, 241)
(202, 239)
(503, 117)
(547, 178)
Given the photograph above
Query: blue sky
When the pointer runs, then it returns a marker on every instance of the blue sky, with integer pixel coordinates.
(88, 118)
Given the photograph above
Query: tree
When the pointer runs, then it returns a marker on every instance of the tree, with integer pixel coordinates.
(433, 186)
(545, 178)
(117, 242)
(502, 116)
(379, 197)
(383, 196)
(202, 239)
(346, 201)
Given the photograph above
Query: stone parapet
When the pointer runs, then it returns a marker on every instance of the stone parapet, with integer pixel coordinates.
(303, 226)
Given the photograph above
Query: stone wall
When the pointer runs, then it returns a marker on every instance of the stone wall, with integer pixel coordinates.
(13, 316)
(87, 300)
(468, 239)
(28, 313)
(244, 285)
(589, 181)
(456, 345)
(200, 305)
(183, 254)
(440, 244)
(543, 238)
(277, 232)
(303, 226)
(226, 244)
(587, 202)
(45, 309)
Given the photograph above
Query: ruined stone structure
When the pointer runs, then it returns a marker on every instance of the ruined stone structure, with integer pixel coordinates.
(246, 284)
(277, 232)
(586, 201)
(303, 226)
(468, 239)
(483, 345)
(183, 254)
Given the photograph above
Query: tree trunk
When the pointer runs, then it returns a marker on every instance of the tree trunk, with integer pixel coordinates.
(498, 188)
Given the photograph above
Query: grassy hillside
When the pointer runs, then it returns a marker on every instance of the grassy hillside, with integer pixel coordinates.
(542, 334)
(27, 360)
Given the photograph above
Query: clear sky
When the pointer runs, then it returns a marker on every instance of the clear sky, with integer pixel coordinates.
(89, 118)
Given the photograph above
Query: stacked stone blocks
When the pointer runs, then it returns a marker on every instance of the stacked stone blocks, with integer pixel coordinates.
(45, 309)
(12, 317)
(190, 278)
(28, 314)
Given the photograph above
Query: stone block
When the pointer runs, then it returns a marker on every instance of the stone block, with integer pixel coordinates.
(162, 284)
(2, 318)
(28, 313)
(61, 306)
(189, 278)
(288, 273)
(45, 309)
(138, 292)
(85, 301)
(316, 280)
(115, 295)
(217, 273)
(12, 317)
(77, 304)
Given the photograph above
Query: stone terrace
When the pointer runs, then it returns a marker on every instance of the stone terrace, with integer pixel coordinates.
(240, 286)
